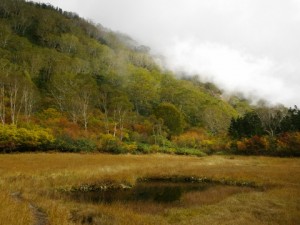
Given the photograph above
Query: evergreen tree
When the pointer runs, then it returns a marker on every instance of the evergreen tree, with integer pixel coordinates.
(291, 122)
(246, 126)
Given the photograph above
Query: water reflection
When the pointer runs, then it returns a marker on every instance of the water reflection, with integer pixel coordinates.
(160, 192)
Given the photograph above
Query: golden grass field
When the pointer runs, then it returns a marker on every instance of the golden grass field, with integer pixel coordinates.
(30, 183)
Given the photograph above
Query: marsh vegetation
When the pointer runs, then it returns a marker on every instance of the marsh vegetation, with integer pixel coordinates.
(229, 190)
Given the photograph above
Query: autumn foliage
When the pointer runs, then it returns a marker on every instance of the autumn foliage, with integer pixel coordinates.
(197, 139)
(288, 144)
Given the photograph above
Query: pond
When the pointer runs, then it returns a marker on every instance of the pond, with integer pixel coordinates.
(160, 192)
(156, 196)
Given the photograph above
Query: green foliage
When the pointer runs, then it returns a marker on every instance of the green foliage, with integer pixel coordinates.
(246, 126)
(291, 121)
(189, 151)
(199, 107)
(171, 116)
(13, 138)
(143, 89)
(68, 144)
(240, 104)
(147, 149)
(110, 143)
(129, 147)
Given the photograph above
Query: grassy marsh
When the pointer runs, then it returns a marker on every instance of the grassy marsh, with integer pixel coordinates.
(39, 177)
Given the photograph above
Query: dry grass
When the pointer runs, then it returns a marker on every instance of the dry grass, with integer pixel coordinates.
(37, 176)
(13, 211)
(212, 195)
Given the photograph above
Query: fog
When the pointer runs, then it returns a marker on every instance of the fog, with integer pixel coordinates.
(248, 46)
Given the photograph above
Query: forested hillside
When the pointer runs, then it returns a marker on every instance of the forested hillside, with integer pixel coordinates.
(70, 85)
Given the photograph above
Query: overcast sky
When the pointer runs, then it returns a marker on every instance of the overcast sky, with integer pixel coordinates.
(251, 46)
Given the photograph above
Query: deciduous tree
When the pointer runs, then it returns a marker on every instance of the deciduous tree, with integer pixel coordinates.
(171, 116)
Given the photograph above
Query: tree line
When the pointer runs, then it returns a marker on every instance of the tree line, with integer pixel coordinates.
(267, 130)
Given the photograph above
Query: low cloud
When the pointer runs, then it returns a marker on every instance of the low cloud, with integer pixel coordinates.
(234, 70)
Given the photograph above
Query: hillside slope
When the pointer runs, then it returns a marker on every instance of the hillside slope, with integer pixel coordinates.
(61, 72)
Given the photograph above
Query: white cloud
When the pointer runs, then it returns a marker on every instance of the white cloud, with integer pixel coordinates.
(229, 68)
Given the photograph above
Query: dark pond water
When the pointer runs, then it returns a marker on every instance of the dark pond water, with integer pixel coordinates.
(159, 192)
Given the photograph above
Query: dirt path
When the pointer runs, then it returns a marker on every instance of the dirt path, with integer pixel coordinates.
(39, 215)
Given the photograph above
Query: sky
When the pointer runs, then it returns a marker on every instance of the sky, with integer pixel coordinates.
(247, 46)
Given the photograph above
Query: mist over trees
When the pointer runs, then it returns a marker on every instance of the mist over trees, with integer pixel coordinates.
(71, 85)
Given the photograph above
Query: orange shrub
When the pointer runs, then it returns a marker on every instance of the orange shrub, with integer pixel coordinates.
(199, 139)
(241, 145)
(253, 145)
(143, 128)
(288, 144)
(190, 139)
(59, 123)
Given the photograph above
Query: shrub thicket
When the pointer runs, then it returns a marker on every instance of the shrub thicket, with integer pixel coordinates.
(286, 144)
(67, 144)
(13, 138)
